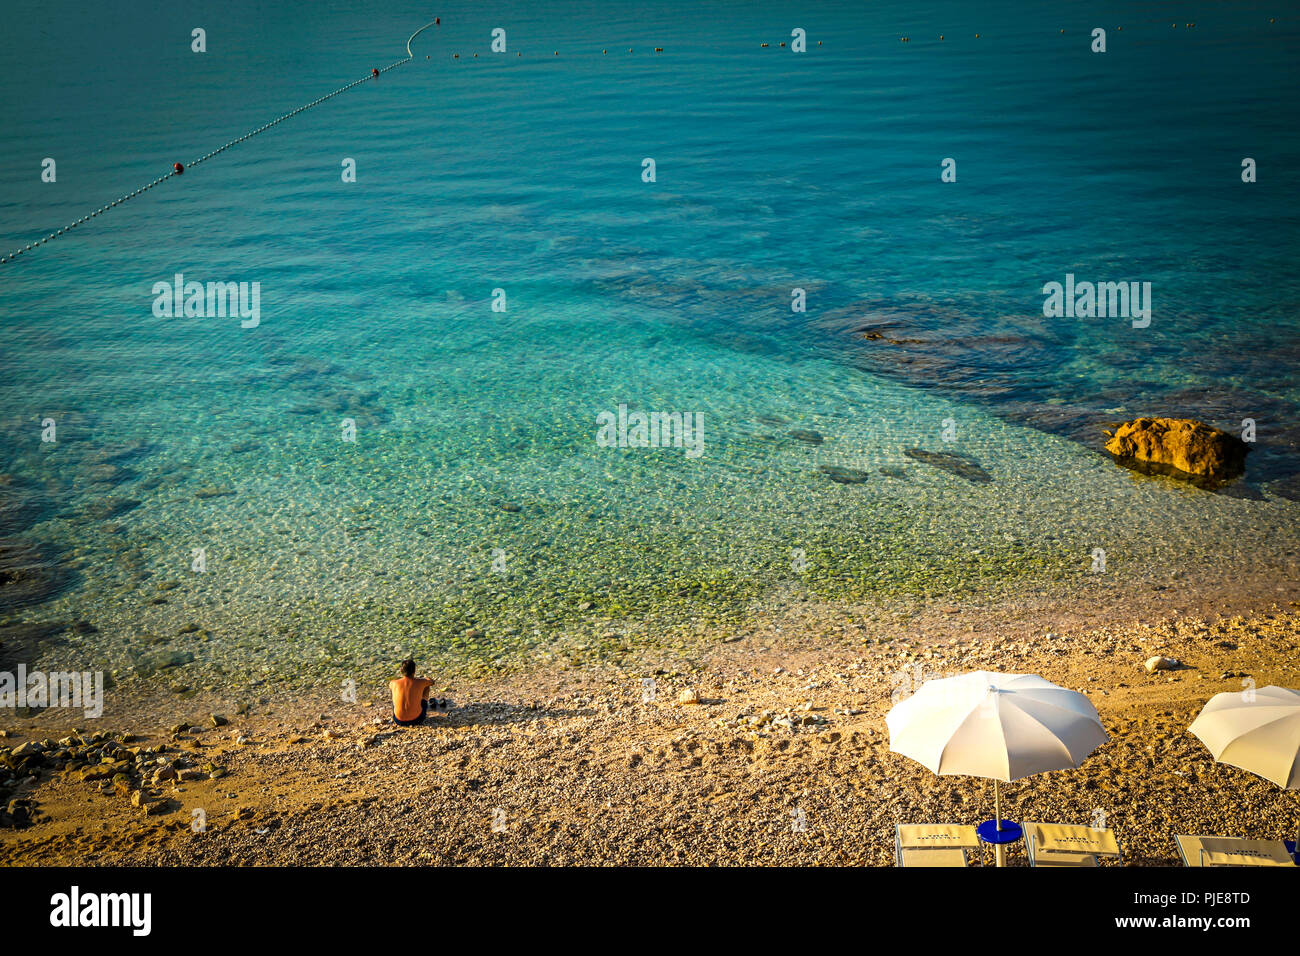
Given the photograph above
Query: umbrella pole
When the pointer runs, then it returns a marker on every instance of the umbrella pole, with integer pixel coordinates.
(997, 816)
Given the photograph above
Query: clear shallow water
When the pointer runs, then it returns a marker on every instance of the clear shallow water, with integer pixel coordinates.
(476, 430)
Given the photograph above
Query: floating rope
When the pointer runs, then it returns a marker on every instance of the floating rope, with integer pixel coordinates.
(409, 54)
(178, 169)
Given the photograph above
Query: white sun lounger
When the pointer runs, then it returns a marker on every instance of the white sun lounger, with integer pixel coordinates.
(1059, 844)
(1232, 851)
(933, 844)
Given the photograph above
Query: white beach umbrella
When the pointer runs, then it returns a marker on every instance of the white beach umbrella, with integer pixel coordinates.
(1000, 726)
(1257, 730)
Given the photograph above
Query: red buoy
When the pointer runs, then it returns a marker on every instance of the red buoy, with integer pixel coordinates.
(178, 168)
(437, 21)
(374, 72)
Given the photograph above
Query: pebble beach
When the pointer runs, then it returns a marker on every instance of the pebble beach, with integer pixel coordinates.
(770, 749)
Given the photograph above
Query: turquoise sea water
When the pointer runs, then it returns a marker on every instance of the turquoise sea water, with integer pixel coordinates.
(476, 496)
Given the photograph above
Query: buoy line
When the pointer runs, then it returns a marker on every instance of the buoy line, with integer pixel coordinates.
(409, 54)
(179, 168)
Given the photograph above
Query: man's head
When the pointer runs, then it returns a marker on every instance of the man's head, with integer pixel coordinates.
(408, 668)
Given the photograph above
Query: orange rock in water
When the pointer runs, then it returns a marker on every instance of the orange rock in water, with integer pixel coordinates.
(1179, 447)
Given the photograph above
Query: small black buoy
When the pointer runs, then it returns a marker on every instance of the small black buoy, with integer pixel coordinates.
(178, 168)
(374, 72)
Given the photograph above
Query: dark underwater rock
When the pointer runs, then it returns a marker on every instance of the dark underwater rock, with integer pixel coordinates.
(30, 574)
(842, 475)
(807, 436)
(19, 507)
(102, 509)
(963, 466)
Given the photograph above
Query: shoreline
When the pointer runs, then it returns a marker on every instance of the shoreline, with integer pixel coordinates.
(791, 717)
(186, 661)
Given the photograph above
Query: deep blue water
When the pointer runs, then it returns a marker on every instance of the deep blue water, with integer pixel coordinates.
(476, 429)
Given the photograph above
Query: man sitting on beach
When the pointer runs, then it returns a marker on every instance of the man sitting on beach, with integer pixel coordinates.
(411, 696)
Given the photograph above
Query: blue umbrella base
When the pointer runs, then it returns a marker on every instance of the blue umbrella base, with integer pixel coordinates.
(989, 832)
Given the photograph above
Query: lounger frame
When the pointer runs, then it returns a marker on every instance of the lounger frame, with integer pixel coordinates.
(1201, 851)
(936, 853)
(1059, 858)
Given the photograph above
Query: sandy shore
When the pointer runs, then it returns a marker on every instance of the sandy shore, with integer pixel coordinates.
(785, 759)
